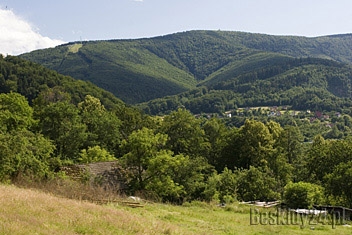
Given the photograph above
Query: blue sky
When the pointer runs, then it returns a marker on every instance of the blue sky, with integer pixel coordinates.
(66, 21)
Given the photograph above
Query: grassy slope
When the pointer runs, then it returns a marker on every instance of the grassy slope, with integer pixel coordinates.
(26, 211)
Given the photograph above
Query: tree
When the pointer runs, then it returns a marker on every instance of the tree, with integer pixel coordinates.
(216, 134)
(103, 127)
(52, 95)
(62, 124)
(275, 130)
(318, 155)
(193, 176)
(225, 185)
(24, 153)
(335, 133)
(162, 170)
(257, 183)
(339, 184)
(131, 120)
(15, 112)
(290, 141)
(151, 167)
(185, 135)
(302, 195)
(140, 147)
(230, 154)
(255, 143)
(325, 155)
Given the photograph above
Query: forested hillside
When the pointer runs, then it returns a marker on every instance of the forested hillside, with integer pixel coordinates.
(144, 69)
(48, 120)
(267, 80)
(31, 79)
(125, 68)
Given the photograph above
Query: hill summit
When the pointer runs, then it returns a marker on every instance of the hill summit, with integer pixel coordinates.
(141, 70)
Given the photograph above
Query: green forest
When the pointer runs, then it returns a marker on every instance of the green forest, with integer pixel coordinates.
(237, 64)
(48, 120)
(310, 83)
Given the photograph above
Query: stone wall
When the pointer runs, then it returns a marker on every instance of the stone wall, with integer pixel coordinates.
(106, 174)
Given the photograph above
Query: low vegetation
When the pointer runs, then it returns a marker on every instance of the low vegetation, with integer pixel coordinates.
(29, 211)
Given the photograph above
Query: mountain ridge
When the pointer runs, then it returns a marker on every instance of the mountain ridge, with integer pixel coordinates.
(141, 70)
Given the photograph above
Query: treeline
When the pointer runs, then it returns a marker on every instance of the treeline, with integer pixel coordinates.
(176, 158)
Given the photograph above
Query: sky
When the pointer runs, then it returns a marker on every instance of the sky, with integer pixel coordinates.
(27, 25)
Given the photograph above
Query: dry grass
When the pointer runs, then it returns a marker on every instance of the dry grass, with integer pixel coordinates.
(27, 211)
(68, 188)
(30, 211)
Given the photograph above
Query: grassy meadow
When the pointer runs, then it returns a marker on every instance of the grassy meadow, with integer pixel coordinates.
(28, 211)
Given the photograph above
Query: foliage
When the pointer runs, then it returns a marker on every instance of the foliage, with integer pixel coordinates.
(23, 153)
(216, 133)
(61, 123)
(302, 83)
(95, 154)
(15, 112)
(338, 183)
(181, 157)
(222, 187)
(184, 133)
(30, 79)
(303, 195)
(144, 69)
(171, 177)
(140, 147)
(115, 65)
(103, 126)
(162, 170)
(257, 183)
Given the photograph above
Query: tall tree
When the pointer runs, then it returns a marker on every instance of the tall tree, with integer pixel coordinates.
(256, 144)
(185, 135)
(339, 184)
(216, 134)
(103, 127)
(140, 147)
(61, 123)
(317, 163)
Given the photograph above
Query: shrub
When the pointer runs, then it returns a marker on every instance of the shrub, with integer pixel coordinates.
(302, 195)
(95, 154)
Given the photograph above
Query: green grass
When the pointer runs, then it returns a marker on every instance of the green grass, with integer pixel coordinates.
(75, 47)
(201, 218)
(25, 211)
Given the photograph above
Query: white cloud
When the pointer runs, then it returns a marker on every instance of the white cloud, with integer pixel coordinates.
(18, 36)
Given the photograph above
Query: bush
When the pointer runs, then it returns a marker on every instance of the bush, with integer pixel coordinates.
(95, 154)
(302, 195)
